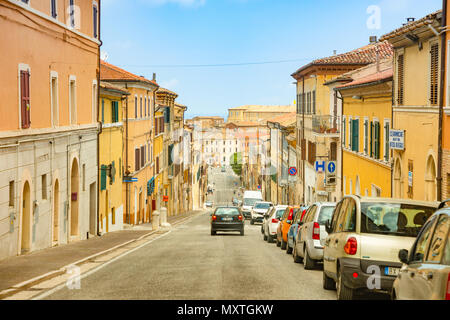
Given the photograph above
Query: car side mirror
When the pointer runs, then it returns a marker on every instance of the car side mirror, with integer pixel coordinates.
(403, 255)
(301, 223)
(328, 227)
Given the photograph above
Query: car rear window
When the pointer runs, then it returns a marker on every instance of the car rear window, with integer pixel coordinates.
(325, 214)
(280, 213)
(394, 218)
(227, 212)
(262, 206)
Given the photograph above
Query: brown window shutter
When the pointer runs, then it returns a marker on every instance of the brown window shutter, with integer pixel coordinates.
(25, 98)
(137, 160)
(333, 151)
(157, 164)
(303, 149)
(142, 157)
(400, 80)
(313, 158)
(434, 74)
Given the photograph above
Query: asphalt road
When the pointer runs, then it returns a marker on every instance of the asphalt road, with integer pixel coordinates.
(190, 264)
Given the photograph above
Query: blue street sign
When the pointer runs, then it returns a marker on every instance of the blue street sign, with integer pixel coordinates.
(128, 180)
(331, 167)
(259, 187)
(320, 166)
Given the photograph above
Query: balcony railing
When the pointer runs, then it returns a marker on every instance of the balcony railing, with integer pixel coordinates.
(326, 124)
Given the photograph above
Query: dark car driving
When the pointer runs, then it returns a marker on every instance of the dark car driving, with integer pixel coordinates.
(227, 219)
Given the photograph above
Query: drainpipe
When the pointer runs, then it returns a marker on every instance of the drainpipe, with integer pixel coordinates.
(303, 139)
(98, 115)
(441, 103)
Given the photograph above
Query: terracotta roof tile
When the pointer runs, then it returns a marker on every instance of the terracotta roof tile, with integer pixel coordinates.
(362, 56)
(375, 77)
(285, 120)
(411, 26)
(109, 72)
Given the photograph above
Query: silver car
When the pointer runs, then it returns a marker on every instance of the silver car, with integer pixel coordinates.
(425, 274)
(312, 234)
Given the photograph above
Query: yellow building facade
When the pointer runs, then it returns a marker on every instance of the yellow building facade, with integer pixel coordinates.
(110, 198)
(417, 65)
(366, 123)
(137, 141)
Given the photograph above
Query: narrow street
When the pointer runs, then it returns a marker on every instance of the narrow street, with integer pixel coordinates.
(189, 263)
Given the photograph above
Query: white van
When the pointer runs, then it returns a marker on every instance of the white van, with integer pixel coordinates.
(248, 202)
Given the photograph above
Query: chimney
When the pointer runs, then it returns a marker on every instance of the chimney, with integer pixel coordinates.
(334, 52)
(154, 76)
(409, 20)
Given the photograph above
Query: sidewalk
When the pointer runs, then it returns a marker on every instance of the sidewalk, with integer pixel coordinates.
(16, 270)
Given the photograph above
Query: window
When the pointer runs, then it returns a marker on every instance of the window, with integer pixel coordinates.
(314, 102)
(418, 252)
(72, 13)
(72, 100)
(434, 74)
(103, 111)
(135, 107)
(95, 19)
(366, 136)
(114, 111)
(375, 139)
(439, 239)
(11, 193)
(142, 157)
(386, 141)
(25, 107)
(355, 135)
(344, 131)
(137, 159)
(140, 105)
(53, 9)
(54, 98)
(400, 80)
(44, 186)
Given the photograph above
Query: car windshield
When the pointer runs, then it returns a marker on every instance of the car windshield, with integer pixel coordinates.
(227, 212)
(262, 206)
(394, 218)
(250, 202)
(325, 214)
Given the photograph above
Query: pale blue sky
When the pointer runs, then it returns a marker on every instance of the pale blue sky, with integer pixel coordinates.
(180, 40)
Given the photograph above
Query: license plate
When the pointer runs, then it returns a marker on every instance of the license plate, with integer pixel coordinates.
(390, 271)
(227, 219)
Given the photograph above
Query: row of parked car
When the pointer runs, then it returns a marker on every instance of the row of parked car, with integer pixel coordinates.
(368, 245)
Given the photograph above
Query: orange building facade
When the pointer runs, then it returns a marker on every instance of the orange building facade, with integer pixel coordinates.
(48, 125)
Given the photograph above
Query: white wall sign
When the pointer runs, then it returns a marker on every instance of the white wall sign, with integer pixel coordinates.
(397, 139)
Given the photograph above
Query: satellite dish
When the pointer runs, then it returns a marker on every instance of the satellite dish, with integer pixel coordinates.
(104, 56)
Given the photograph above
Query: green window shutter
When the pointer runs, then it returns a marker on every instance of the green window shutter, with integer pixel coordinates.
(386, 143)
(377, 140)
(117, 110)
(371, 139)
(103, 111)
(350, 128)
(355, 135)
(113, 172)
(103, 178)
(366, 137)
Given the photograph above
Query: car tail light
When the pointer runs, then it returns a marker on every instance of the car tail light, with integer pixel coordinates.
(351, 246)
(240, 218)
(447, 294)
(291, 214)
(275, 220)
(316, 231)
(214, 218)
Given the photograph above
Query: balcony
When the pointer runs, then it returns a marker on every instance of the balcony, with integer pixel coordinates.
(326, 125)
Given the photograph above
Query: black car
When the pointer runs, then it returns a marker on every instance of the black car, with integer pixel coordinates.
(227, 219)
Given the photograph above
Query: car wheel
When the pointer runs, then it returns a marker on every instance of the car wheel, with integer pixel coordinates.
(270, 239)
(283, 244)
(213, 233)
(262, 230)
(288, 249)
(343, 292)
(328, 283)
(242, 233)
(297, 258)
(265, 236)
(308, 262)
(278, 242)
(252, 222)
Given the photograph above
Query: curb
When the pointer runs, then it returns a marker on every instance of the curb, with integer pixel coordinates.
(15, 289)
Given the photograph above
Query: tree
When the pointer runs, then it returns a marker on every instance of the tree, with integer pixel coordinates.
(236, 163)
